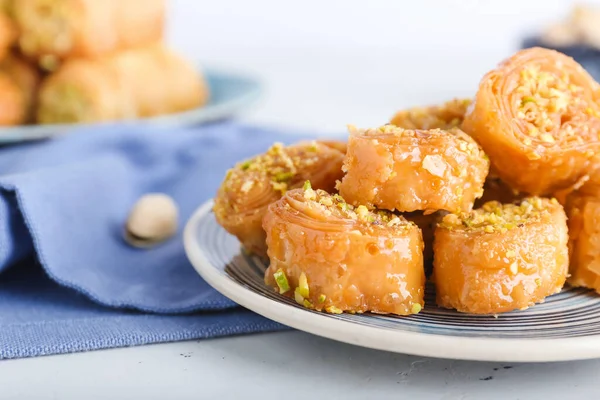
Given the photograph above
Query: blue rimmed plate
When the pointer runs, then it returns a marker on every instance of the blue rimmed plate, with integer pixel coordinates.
(230, 94)
(565, 327)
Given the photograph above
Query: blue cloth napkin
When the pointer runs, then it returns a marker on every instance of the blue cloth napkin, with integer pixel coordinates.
(68, 281)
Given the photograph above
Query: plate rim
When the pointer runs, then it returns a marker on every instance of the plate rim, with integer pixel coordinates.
(404, 342)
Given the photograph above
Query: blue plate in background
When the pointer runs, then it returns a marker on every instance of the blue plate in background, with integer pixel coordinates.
(587, 56)
(230, 94)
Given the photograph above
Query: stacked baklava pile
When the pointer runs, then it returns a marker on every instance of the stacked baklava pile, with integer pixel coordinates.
(475, 190)
(75, 61)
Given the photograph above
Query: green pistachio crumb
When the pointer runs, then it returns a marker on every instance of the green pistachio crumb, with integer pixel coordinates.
(281, 281)
(527, 99)
(283, 176)
(416, 308)
(303, 285)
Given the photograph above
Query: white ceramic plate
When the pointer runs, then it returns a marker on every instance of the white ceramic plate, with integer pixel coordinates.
(565, 327)
(229, 94)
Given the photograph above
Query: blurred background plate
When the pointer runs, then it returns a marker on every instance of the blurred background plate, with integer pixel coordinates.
(587, 56)
(230, 94)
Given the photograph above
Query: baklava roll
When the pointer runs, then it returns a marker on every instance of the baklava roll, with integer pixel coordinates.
(444, 116)
(330, 256)
(6, 7)
(142, 82)
(537, 117)
(584, 244)
(252, 185)
(57, 29)
(336, 144)
(8, 34)
(12, 103)
(27, 77)
(408, 170)
(583, 211)
(500, 257)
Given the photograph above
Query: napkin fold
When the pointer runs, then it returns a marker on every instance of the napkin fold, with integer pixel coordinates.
(63, 205)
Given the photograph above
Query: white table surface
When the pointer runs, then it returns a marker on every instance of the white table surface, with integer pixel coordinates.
(324, 65)
(286, 365)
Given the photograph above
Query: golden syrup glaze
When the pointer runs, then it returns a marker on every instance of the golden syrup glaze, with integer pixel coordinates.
(583, 211)
(407, 170)
(253, 184)
(339, 258)
(444, 116)
(501, 257)
(537, 116)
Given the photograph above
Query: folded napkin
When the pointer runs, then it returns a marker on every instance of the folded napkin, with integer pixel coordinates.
(68, 281)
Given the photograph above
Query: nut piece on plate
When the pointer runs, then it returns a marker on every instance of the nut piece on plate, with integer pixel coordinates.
(152, 220)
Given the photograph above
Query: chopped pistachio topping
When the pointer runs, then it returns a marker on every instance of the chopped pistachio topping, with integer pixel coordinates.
(245, 165)
(496, 217)
(279, 186)
(394, 221)
(247, 186)
(527, 99)
(279, 165)
(281, 281)
(322, 298)
(444, 116)
(333, 310)
(298, 297)
(307, 304)
(310, 194)
(416, 308)
(456, 136)
(284, 176)
(303, 285)
(326, 201)
(337, 206)
(306, 185)
(547, 96)
(362, 212)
